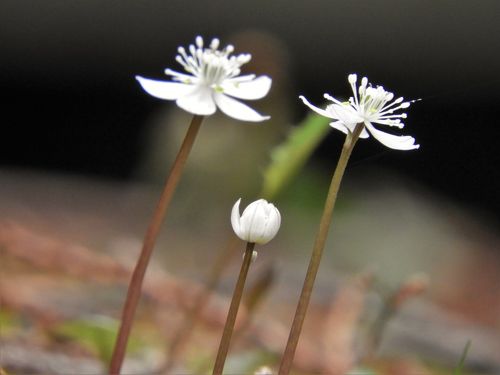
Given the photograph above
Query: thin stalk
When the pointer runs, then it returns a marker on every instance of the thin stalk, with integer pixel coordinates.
(233, 311)
(135, 286)
(317, 252)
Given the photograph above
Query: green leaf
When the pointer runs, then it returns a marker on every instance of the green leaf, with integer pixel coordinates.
(291, 155)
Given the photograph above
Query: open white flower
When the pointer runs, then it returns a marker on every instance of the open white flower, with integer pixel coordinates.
(369, 105)
(212, 81)
(259, 222)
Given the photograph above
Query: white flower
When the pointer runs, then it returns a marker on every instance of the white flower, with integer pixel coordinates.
(212, 81)
(369, 105)
(259, 222)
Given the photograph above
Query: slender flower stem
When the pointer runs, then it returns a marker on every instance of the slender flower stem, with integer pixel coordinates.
(326, 219)
(135, 286)
(233, 311)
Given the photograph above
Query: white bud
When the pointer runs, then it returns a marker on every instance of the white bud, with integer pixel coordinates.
(259, 222)
(352, 78)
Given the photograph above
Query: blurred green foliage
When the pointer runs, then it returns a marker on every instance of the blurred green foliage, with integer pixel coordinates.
(290, 156)
(9, 323)
(96, 334)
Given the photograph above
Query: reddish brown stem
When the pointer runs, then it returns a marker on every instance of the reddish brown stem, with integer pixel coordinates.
(135, 286)
(317, 252)
(233, 311)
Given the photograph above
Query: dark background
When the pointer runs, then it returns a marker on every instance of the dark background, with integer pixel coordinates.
(70, 103)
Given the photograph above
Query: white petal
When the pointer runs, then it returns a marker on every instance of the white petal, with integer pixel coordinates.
(402, 142)
(198, 102)
(272, 227)
(251, 218)
(320, 111)
(237, 110)
(339, 125)
(346, 114)
(258, 226)
(235, 218)
(164, 89)
(256, 89)
(364, 134)
(244, 78)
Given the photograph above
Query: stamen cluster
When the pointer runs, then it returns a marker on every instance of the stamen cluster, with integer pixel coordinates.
(212, 80)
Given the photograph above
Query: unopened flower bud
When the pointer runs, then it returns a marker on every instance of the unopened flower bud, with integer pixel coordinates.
(259, 222)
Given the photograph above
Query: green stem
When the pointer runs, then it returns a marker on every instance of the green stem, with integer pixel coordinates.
(135, 286)
(319, 245)
(233, 311)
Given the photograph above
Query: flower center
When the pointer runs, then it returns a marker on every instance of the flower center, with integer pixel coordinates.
(372, 101)
(209, 66)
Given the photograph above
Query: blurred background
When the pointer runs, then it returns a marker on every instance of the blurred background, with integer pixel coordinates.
(71, 102)
(85, 150)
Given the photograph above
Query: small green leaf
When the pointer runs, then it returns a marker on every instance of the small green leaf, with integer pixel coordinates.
(290, 156)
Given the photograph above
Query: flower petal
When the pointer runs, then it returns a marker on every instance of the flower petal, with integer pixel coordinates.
(164, 89)
(256, 221)
(346, 114)
(198, 102)
(273, 225)
(258, 228)
(339, 125)
(251, 90)
(235, 218)
(237, 110)
(364, 134)
(320, 111)
(401, 142)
